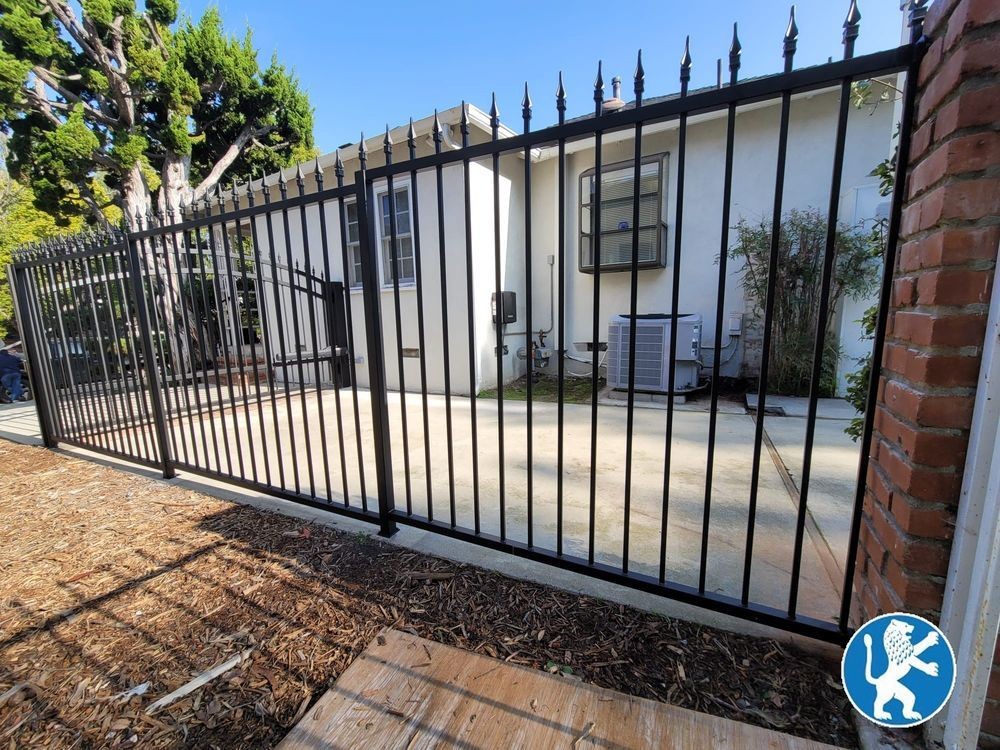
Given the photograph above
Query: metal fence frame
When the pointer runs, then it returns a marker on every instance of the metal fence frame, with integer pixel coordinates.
(112, 257)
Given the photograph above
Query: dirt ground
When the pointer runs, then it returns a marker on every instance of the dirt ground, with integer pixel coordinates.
(112, 584)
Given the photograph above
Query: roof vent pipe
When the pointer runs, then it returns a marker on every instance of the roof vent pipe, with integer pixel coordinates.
(615, 102)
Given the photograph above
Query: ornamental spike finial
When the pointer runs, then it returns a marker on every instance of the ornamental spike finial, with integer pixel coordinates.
(918, 11)
(852, 27)
(639, 80)
(411, 138)
(686, 65)
(599, 84)
(387, 140)
(791, 40)
(338, 167)
(436, 128)
(735, 50)
(561, 96)
(363, 149)
(318, 172)
(464, 124)
(494, 116)
(526, 104)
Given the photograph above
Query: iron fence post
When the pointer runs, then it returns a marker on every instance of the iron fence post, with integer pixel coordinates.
(376, 357)
(148, 357)
(32, 351)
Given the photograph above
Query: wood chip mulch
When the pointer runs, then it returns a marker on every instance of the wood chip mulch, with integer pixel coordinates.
(116, 590)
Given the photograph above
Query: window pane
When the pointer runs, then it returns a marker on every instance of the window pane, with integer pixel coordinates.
(402, 206)
(617, 215)
(352, 222)
(616, 183)
(616, 248)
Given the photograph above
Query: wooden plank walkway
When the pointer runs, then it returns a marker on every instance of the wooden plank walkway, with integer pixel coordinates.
(408, 692)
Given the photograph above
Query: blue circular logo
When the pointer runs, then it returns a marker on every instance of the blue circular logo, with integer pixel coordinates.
(898, 670)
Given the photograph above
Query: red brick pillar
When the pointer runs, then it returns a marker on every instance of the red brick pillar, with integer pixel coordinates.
(948, 249)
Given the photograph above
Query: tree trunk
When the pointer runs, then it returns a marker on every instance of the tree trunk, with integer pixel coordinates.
(167, 302)
(175, 187)
(136, 200)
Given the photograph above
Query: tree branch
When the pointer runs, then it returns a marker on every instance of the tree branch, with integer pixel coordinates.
(42, 105)
(67, 18)
(156, 36)
(88, 197)
(119, 50)
(86, 36)
(232, 153)
(50, 80)
(274, 147)
(106, 161)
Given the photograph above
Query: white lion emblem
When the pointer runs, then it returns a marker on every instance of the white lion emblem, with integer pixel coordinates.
(903, 655)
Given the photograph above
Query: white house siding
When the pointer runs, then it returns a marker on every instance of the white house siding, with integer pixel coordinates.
(807, 184)
(482, 233)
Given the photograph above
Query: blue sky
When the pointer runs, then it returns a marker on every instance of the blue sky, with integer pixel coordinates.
(366, 64)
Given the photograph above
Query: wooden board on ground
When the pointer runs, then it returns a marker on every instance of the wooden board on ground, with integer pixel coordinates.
(408, 692)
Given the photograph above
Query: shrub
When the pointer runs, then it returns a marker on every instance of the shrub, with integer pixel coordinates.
(801, 249)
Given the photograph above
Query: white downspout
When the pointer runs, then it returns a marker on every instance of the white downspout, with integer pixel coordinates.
(971, 609)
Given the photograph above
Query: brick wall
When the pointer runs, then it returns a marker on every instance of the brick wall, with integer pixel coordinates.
(940, 297)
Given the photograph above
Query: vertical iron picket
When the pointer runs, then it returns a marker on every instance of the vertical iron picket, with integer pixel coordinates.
(33, 349)
(438, 136)
(394, 268)
(338, 171)
(365, 196)
(470, 308)
(135, 274)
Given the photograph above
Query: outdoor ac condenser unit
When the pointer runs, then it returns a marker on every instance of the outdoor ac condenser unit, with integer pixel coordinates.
(652, 340)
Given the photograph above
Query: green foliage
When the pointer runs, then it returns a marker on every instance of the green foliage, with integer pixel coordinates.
(64, 150)
(801, 251)
(128, 149)
(885, 170)
(857, 381)
(163, 12)
(190, 92)
(20, 224)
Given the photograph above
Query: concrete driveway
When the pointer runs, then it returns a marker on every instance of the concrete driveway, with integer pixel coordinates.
(831, 496)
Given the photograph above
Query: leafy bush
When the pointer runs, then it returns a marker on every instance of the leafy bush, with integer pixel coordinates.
(801, 249)
(857, 381)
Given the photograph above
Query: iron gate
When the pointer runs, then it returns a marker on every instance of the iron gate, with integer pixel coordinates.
(226, 340)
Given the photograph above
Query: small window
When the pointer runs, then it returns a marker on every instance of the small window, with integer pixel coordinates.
(353, 247)
(405, 266)
(617, 212)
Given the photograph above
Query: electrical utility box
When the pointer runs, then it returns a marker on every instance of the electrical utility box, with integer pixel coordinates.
(652, 352)
(508, 308)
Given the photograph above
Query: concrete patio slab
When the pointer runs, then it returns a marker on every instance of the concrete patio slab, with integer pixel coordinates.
(295, 460)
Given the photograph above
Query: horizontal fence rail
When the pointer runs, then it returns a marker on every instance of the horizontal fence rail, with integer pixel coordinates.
(357, 347)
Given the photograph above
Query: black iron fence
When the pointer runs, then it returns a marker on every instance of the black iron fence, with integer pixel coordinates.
(227, 340)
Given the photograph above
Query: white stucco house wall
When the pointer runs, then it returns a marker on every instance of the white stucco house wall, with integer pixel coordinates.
(807, 184)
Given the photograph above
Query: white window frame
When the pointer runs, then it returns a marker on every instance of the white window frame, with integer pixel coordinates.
(352, 274)
(586, 234)
(382, 241)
